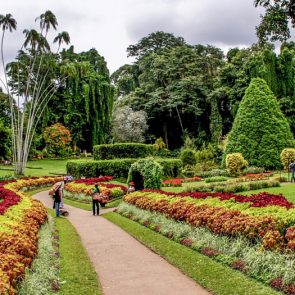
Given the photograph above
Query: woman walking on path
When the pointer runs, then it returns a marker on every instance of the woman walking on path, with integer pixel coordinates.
(95, 198)
(57, 196)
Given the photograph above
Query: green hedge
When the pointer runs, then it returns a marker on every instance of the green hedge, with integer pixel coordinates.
(117, 168)
(122, 150)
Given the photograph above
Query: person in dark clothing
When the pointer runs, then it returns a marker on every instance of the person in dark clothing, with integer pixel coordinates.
(292, 170)
(95, 199)
(57, 201)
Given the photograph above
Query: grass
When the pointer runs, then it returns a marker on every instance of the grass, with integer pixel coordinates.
(219, 279)
(76, 271)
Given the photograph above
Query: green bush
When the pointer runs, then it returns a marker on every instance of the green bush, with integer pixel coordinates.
(233, 187)
(117, 168)
(215, 179)
(122, 150)
(253, 170)
(116, 192)
(235, 164)
(212, 173)
(188, 157)
(151, 171)
(260, 130)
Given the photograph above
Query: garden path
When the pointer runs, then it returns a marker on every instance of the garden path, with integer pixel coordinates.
(125, 266)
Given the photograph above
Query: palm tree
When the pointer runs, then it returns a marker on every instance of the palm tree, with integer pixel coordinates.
(32, 37)
(47, 20)
(62, 37)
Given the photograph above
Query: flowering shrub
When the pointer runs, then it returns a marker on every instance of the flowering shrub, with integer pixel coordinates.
(178, 181)
(235, 163)
(20, 220)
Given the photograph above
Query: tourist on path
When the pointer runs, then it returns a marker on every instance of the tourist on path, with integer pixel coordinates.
(95, 199)
(57, 196)
(292, 170)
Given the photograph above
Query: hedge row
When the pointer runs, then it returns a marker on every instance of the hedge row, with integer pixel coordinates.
(122, 150)
(117, 168)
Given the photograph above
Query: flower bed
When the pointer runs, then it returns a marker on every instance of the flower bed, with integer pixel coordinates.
(263, 217)
(93, 180)
(178, 181)
(20, 220)
(84, 190)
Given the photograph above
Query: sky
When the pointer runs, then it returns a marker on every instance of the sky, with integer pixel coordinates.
(111, 25)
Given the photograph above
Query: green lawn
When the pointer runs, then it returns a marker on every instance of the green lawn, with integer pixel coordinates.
(219, 279)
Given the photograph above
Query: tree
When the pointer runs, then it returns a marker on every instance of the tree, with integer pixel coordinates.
(154, 42)
(27, 85)
(260, 131)
(58, 140)
(128, 125)
(275, 22)
(5, 143)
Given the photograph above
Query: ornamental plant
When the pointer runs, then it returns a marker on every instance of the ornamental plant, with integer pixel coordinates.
(235, 163)
(58, 140)
(188, 157)
(260, 130)
(287, 156)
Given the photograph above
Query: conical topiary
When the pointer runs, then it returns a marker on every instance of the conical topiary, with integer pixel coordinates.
(260, 130)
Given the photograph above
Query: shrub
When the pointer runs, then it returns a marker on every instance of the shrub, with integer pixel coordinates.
(215, 179)
(151, 171)
(122, 150)
(260, 130)
(253, 170)
(188, 157)
(212, 173)
(235, 163)
(58, 140)
(287, 156)
(117, 168)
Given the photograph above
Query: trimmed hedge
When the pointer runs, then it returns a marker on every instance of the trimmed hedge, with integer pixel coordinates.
(117, 168)
(122, 150)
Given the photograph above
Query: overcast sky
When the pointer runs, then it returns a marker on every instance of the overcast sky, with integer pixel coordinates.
(111, 25)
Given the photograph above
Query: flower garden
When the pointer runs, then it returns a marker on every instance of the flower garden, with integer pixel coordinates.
(20, 221)
(254, 234)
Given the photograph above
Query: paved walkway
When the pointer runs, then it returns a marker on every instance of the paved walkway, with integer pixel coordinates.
(124, 266)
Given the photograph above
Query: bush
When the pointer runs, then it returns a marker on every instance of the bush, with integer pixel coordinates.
(215, 179)
(260, 130)
(151, 171)
(188, 157)
(235, 163)
(117, 168)
(122, 150)
(287, 156)
(212, 173)
(253, 170)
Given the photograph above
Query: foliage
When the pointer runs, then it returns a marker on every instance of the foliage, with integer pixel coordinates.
(117, 167)
(58, 140)
(253, 170)
(159, 144)
(5, 144)
(128, 125)
(151, 171)
(188, 157)
(122, 150)
(235, 164)
(212, 173)
(275, 21)
(215, 179)
(260, 130)
(287, 156)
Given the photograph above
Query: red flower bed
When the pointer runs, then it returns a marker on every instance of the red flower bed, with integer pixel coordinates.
(259, 200)
(111, 185)
(7, 198)
(179, 181)
(93, 180)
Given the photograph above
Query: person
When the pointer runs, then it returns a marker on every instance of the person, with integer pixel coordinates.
(131, 188)
(95, 199)
(292, 170)
(57, 200)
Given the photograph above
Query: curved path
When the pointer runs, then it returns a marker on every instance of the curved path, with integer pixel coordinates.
(124, 266)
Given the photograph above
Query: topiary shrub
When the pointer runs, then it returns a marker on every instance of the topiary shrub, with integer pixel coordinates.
(287, 156)
(235, 163)
(122, 150)
(188, 157)
(151, 171)
(260, 131)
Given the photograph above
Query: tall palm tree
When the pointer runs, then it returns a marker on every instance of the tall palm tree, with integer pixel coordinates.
(62, 37)
(32, 37)
(47, 20)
